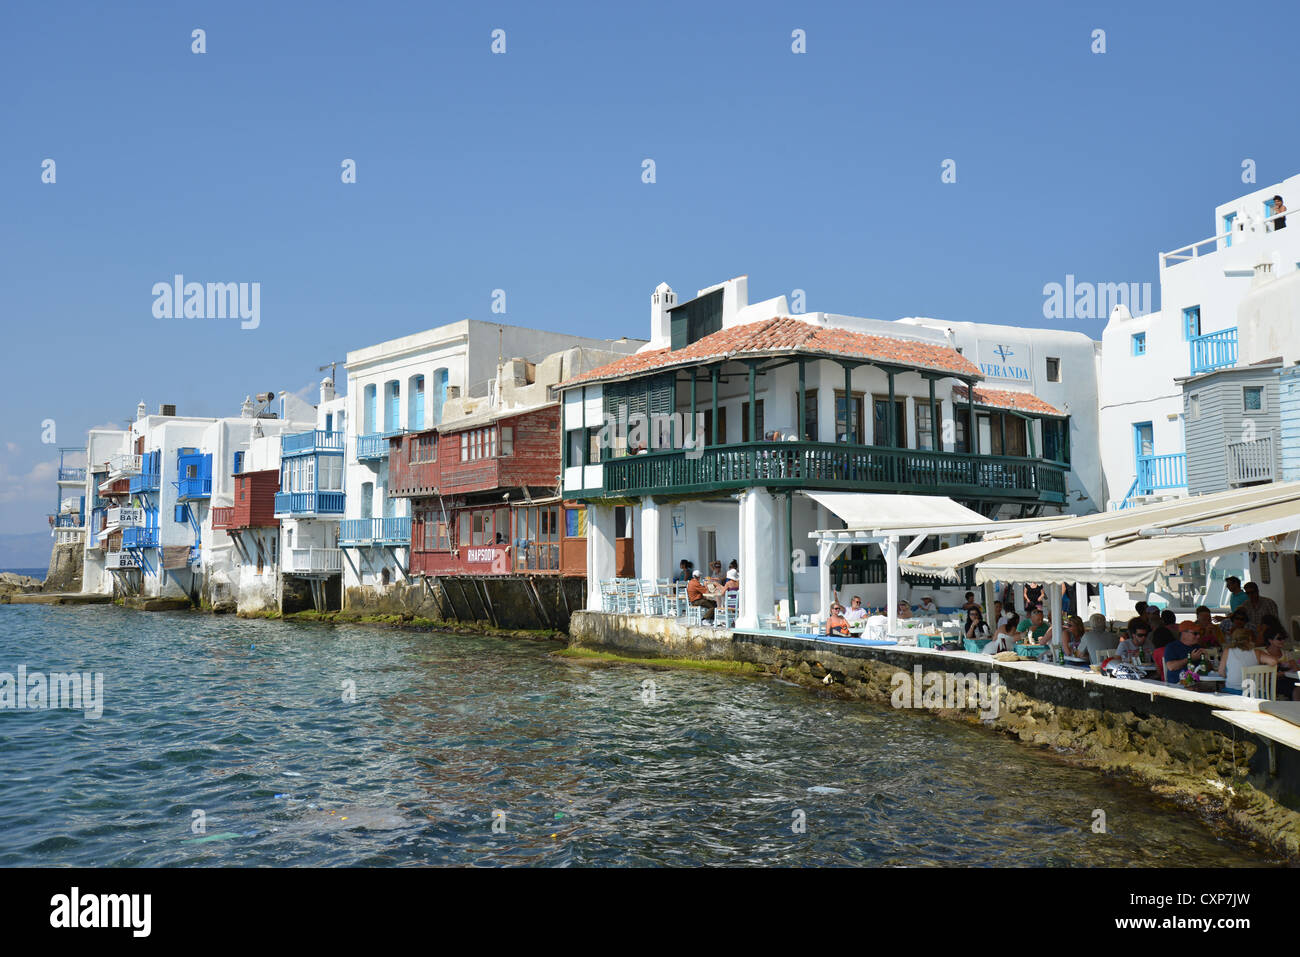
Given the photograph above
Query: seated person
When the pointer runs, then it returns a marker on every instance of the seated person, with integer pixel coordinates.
(836, 623)
(1072, 634)
(1033, 628)
(1211, 634)
(970, 602)
(1183, 653)
(977, 628)
(1134, 647)
(715, 574)
(1096, 639)
(683, 571)
(904, 610)
(696, 594)
(733, 576)
(928, 607)
(1005, 638)
(856, 612)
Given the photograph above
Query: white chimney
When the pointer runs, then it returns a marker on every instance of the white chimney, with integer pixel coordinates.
(141, 411)
(326, 390)
(661, 331)
(248, 409)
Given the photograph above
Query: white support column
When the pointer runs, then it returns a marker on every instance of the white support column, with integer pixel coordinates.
(651, 541)
(890, 548)
(1081, 600)
(825, 551)
(989, 599)
(600, 551)
(757, 576)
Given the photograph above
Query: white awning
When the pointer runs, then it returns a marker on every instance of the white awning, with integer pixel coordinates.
(1134, 564)
(875, 511)
(948, 562)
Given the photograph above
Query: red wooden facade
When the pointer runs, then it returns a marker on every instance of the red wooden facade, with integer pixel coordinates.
(254, 502)
(469, 512)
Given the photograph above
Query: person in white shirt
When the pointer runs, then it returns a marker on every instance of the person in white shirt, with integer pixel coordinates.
(1006, 638)
(856, 612)
(928, 607)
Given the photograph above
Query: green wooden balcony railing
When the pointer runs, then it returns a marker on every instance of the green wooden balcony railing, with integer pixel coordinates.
(833, 467)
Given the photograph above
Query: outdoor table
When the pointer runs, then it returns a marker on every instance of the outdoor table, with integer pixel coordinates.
(1073, 660)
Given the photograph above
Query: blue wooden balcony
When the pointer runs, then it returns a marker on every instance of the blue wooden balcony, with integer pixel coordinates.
(140, 537)
(1214, 350)
(145, 482)
(374, 531)
(71, 474)
(307, 443)
(1156, 472)
(308, 503)
(67, 520)
(193, 488)
(836, 467)
(374, 446)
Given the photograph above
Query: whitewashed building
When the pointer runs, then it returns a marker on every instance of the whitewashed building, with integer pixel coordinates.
(755, 411)
(403, 386)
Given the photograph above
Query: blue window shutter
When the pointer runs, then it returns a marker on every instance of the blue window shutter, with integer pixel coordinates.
(182, 512)
(239, 462)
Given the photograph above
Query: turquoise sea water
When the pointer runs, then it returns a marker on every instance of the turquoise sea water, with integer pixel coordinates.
(245, 722)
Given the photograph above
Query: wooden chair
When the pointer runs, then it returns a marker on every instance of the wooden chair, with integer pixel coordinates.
(1099, 656)
(1259, 681)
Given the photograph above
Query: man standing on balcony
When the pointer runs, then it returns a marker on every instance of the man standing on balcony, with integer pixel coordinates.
(1278, 207)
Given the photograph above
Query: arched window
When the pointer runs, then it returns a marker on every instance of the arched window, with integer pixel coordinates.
(415, 404)
(439, 395)
(392, 406)
(368, 411)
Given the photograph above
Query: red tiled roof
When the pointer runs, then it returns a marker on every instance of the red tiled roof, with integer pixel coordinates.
(1025, 402)
(786, 335)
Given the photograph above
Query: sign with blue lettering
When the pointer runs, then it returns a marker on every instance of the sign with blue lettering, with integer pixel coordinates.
(1006, 360)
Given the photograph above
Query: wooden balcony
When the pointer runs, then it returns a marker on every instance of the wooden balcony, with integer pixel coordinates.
(223, 516)
(313, 561)
(835, 467)
(1251, 462)
(375, 531)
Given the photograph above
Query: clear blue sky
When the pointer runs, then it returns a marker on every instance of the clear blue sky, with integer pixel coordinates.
(522, 172)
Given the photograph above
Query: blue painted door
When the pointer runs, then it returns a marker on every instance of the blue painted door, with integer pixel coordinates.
(415, 420)
(393, 411)
(439, 394)
(368, 425)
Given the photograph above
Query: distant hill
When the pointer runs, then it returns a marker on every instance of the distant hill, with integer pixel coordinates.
(30, 550)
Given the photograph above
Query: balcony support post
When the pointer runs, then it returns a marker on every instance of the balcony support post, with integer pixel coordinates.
(934, 420)
(718, 438)
(753, 404)
(892, 418)
(651, 540)
(972, 440)
(1033, 444)
(803, 416)
(689, 428)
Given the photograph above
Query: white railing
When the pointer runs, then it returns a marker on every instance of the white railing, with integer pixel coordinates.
(1252, 461)
(124, 464)
(319, 561)
(1193, 250)
(64, 536)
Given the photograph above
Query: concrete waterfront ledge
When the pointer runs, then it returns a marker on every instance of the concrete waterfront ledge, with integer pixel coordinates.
(1166, 738)
(56, 598)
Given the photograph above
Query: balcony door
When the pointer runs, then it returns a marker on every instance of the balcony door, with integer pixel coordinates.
(1143, 440)
(879, 420)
